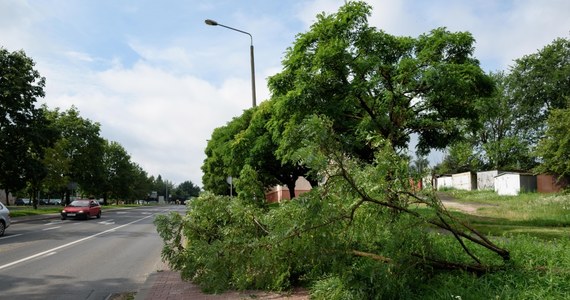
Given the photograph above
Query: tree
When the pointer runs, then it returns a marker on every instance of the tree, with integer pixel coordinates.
(219, 162)
(257, 147)
(186, 190)
(498, 142)
(460, 157)
(141, 185)
(554, 148)
(22, 134)
(119, 170)
(540, 82)
(371, 82)
(359, 226)
(346, 102)
(77, 156)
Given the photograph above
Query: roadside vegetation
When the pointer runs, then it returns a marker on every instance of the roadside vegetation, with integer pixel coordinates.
(341, 114)
(225, 244)
(42, 210)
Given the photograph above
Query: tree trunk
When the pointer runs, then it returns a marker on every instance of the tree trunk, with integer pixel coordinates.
(291, 186)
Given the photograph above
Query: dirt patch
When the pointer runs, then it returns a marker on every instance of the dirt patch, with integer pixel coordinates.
(450, 202)
(470, 208)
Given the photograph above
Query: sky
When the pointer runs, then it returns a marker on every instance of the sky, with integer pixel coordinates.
(159, 80)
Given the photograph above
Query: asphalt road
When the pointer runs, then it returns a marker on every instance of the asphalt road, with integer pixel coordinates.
(80, 259)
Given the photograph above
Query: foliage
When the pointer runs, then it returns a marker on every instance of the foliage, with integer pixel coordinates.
(554, 148)
(23, 128)
(514, 119)
(498, 142)
(220, 161)
(460, 158)
(122, 179)
(344, 106)
(79, 149)
(257, 147)
(360, 219)
(249, 186)
(540, 82)
(186, 190)
(52, 151)
(368, 81)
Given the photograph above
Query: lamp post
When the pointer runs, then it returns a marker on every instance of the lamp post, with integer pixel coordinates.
(214, 23)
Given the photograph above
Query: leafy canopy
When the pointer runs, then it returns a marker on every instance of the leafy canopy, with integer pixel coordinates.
(370, 82)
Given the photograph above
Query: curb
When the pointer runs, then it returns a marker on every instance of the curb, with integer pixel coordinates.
(143, 292)
(16, 220)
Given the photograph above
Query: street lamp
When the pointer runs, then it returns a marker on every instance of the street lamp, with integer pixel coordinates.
(214, 23)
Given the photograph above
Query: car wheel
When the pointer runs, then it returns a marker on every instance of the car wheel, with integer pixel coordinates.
(2, 228)
(99, 215)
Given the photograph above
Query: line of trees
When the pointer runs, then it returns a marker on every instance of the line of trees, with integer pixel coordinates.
(396, 87)
(518, 124)
(55, 153)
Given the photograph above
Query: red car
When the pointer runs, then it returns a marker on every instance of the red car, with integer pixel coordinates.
(82, 209)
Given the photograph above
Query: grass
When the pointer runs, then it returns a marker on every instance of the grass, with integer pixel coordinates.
(544, 216)
(42, 210)
(538, 270)
(28, 211)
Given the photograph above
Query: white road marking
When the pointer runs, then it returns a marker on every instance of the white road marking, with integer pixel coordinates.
(107, 222)
(68, 244)
(51, 228)
(10, 236)
(49, 254)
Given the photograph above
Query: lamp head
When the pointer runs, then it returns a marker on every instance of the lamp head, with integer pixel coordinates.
(211, 22)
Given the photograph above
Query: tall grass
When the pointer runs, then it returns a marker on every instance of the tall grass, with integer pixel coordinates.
(539, 270)
(540, 215)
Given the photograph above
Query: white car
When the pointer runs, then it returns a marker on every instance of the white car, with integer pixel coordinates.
(4, 218)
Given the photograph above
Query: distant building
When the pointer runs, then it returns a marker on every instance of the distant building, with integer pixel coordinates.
(510, 183)
(443, 181)
(486, 179)
(547, 183)
(281, 192)
(464, 181)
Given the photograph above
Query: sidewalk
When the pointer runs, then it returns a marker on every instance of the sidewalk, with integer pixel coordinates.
(168, 285)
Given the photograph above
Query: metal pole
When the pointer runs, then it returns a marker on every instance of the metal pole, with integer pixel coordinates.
(253, 97)
(252, 76)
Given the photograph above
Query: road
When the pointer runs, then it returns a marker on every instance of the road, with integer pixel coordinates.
(81, 259)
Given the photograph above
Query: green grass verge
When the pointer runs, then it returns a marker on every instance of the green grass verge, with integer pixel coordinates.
(544, 216)
(42, 210)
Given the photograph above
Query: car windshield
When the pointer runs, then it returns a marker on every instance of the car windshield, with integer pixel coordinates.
(79, 203)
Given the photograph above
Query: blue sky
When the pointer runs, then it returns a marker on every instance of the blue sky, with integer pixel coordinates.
(159, 80)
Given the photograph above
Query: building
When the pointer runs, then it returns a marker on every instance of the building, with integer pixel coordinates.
(547, 183)
(511, 183)
(281, 192)
(443, 181)
(464, 181)
(486, 179)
